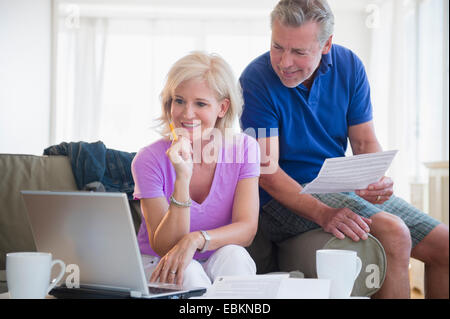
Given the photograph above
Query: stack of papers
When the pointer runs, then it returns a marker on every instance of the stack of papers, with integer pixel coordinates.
(268, 287)
(350, 173)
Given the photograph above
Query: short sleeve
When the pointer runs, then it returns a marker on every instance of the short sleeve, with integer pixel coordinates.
(360, 108)
(250, 166)
(148, 175)
(259, 114)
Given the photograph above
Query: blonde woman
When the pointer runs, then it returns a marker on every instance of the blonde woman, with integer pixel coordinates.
(198, 190)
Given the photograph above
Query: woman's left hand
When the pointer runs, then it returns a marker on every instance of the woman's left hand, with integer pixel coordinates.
(170, 268)
(379, 192)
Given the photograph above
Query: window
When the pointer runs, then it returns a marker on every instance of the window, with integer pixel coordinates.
(408, 71)
(113, 59)
(113, 56)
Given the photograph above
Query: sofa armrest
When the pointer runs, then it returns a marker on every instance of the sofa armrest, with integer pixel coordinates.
(26, 172)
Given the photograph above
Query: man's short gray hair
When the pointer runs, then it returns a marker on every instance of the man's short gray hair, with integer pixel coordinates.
(294, 13)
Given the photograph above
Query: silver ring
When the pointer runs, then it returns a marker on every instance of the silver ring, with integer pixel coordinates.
(378, 198)
(173, 272)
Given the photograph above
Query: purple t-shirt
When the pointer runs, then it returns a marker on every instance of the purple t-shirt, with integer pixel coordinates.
(154, 176)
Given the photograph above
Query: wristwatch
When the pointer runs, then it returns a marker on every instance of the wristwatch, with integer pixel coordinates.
(207, 239)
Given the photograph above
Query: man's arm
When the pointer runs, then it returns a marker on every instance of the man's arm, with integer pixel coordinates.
(363, 140)
(340, 222)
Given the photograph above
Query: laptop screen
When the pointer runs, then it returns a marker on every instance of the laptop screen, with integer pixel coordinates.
(93, 231)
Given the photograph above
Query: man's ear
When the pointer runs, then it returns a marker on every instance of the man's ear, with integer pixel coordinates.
(327, 46)
(224, 106)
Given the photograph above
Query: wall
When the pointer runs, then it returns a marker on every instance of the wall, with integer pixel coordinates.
(25, 64)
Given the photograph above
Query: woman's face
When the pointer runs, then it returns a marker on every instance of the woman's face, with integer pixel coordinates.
(195, 108)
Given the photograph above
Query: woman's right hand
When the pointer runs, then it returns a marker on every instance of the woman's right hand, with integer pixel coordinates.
(180, 155)
(172, 265)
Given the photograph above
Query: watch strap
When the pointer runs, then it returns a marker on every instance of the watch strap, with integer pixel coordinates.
(207, 239)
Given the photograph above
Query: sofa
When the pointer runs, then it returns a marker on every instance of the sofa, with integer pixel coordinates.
(29, 172)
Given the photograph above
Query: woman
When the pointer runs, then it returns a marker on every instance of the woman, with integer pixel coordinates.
(198, 192)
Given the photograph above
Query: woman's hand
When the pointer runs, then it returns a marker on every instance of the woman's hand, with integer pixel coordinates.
(180, 155)
(170, 268)
(379, 192)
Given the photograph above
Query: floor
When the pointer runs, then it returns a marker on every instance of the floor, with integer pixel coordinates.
(416, 267)
(416, 294)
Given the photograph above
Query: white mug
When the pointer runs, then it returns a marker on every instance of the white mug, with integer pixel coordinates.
(28, 274)
(341, 267)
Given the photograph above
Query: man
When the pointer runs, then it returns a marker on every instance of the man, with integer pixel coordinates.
(316, 95)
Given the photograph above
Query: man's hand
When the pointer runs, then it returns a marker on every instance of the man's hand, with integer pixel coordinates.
(379, 192)
(343, 222)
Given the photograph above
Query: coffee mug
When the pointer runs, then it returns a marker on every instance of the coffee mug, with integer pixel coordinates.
(341, 267)
(28, 274)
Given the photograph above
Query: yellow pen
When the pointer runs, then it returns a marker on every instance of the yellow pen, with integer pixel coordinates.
(172, 129)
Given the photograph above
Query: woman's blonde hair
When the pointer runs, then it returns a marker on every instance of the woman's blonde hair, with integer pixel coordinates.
(217, 74)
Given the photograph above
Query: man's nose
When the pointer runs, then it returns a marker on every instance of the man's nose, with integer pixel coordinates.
(286, 60)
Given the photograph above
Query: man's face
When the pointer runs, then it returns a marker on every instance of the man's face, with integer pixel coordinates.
(295, 52)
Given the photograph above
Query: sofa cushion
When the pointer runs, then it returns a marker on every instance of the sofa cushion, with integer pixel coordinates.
(26, 172)
(370, 251)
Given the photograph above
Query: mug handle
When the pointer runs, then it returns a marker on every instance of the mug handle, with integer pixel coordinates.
(358, 266)
(59, 277)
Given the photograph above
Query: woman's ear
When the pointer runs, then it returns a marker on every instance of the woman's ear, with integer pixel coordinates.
(224, 106)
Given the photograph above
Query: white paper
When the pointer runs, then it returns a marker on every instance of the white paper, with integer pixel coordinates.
(297, 288)
(350, 173)
(246, 287)
(268, 287)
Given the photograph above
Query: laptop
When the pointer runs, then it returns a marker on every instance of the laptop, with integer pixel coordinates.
(94, 231)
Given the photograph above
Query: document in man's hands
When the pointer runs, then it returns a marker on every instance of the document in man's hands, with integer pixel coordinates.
(350, 173)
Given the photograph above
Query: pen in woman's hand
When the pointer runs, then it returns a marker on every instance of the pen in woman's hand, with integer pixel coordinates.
(172, 129)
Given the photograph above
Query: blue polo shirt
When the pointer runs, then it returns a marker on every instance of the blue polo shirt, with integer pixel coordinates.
(312, 125)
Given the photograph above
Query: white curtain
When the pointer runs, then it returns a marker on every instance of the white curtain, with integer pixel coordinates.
(80, 71)
(111, 69)
(406, 74)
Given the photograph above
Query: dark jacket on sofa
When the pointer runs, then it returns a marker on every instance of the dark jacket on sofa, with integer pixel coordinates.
(93, 162)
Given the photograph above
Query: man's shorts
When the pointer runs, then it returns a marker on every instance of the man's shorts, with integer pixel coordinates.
(279, 223)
